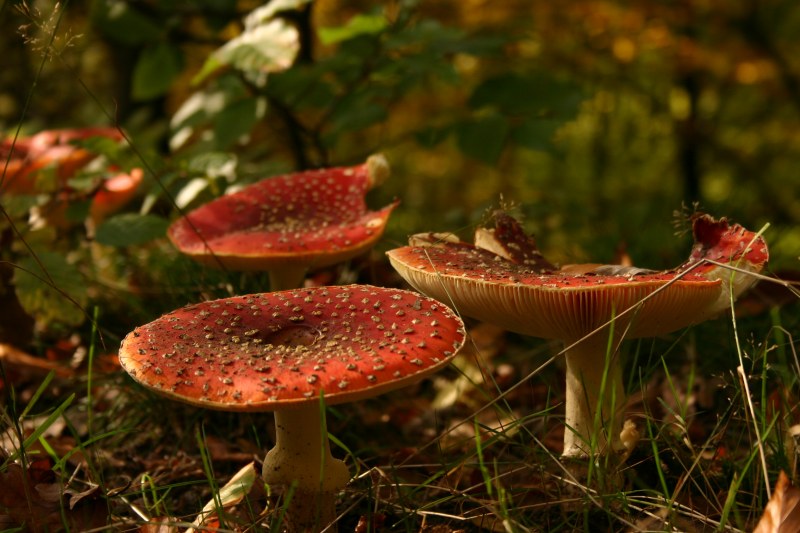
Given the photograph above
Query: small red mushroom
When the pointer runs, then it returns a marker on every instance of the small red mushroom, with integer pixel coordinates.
(285, 352)
(114, 193)
(591, 311)
(288, 224)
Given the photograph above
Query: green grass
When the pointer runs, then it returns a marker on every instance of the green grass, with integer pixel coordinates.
(467, 466)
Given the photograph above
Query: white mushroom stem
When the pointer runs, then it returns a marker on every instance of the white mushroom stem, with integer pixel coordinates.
(286, 278)
(378, 170)
(302, 457)
(586, 393)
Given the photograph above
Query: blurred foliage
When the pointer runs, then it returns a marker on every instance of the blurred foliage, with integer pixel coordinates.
(596, 119)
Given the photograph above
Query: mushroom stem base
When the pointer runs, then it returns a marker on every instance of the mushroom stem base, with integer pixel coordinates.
(286, 278)
(588, 363)
(302, 457)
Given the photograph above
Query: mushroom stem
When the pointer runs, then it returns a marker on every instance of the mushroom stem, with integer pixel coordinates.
(302, 456)
(594, 381)
(286, 278)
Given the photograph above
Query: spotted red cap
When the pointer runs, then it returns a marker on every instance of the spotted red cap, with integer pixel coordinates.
(261, 352)
(723, 242)
(306, 219)
(563, 305)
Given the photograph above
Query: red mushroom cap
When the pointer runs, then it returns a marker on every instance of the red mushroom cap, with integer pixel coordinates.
(565, 305)
(262, 352)
(114, 193)
(553, 305)
(719, 241)
(315, 218)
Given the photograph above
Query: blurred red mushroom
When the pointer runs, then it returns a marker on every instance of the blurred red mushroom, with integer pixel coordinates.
(23, 160)
(114, 193)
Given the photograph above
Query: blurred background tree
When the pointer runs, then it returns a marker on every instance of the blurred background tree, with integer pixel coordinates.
(598, 119)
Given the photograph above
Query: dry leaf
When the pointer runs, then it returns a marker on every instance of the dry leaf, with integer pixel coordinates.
(159, 525)
(782, 514)
(32, 497)
(231, 494)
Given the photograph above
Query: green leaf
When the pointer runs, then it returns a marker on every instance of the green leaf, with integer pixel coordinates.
(431, 137)
(130, 229)
(302, 87)
(483, 138)
(18, 205)
(202, 107)
(124, 24)
(355, 113)
(532, 94)
(536, 133)
(234, 121)
(211, 65)
(78, 211)
(265, 48)
(156, 69)
(213, 164)
(56, 293)
(357, 25)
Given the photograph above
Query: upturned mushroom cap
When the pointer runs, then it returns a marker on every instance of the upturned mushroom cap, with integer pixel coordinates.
(307, 219)
(264, 352)
(532, 300)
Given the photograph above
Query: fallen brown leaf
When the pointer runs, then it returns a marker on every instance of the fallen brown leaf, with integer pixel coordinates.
(33, 497)
(782, 513)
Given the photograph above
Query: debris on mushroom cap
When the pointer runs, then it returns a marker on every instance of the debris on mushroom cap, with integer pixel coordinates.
(317, 217)
(432, 238)
(260, 352)
(509, 240)
(605, 270)
(557, 304)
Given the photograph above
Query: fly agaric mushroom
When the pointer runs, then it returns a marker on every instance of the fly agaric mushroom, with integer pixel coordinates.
(282, 352)
(288, 224)
(514, 287)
